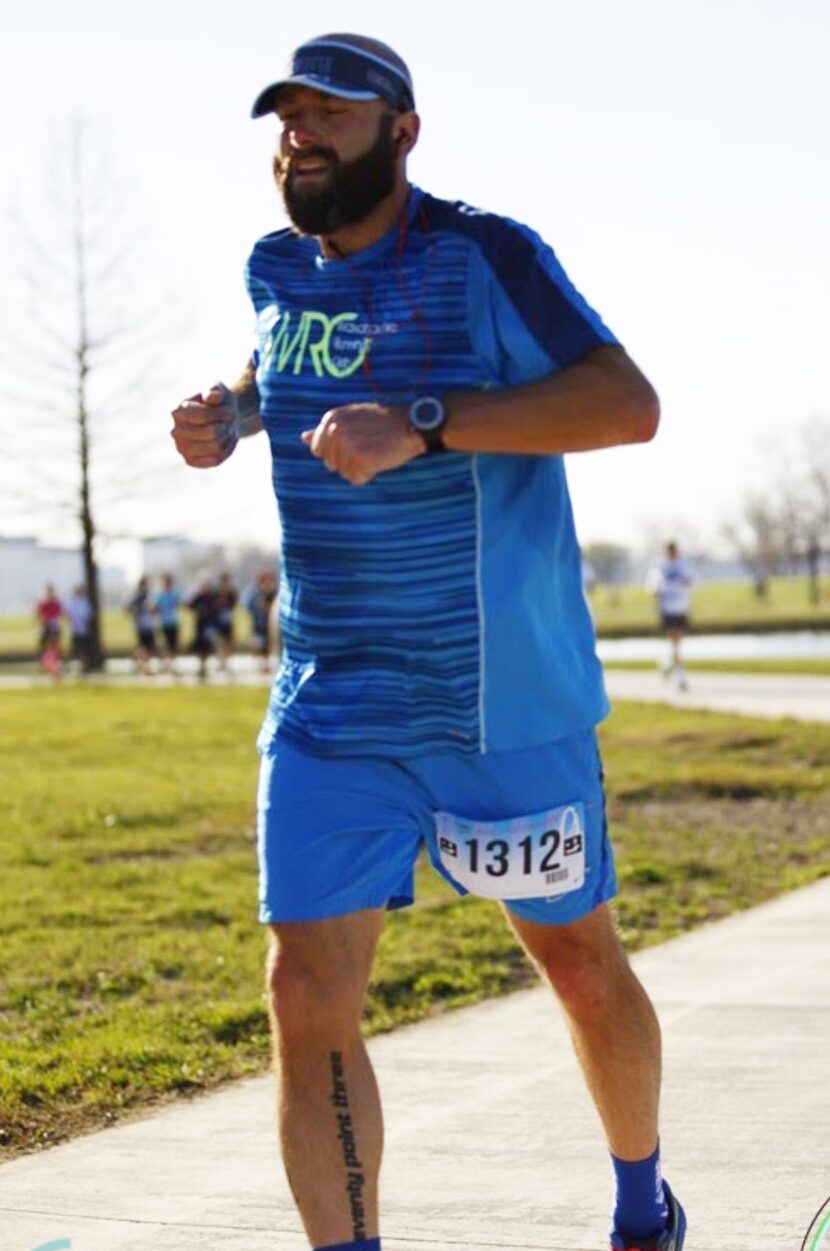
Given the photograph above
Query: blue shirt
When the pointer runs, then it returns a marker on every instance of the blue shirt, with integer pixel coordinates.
(167, 607)
(439, 607)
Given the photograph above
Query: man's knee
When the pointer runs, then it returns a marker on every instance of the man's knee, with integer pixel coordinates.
(586, 982)
(311, 999)
(584, 963)
(316, 985)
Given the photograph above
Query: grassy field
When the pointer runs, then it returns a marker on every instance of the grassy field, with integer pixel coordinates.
(716, 606)
(623, 610)
(19, 632)
(130, 956)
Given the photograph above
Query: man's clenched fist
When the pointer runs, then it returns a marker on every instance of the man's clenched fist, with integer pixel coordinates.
(359, 441)
(206, 428)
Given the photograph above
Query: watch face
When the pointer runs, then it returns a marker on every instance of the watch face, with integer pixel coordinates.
(426, 413)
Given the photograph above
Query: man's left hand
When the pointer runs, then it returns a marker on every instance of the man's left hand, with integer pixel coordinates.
(359, 441)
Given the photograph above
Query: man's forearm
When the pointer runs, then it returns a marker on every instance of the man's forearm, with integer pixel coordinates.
(603, 401)
(247, 402)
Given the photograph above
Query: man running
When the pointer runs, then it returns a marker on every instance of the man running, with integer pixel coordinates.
(259, 601)
(141, 609)
(78, 612)
(420, 368)
(203, 605)
(168, 604)
(226, 601)
(671, 583)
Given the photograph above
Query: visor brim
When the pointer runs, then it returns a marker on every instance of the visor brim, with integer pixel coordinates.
(266, 99)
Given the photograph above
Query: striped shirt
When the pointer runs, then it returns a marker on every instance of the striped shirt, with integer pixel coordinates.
(439, 607)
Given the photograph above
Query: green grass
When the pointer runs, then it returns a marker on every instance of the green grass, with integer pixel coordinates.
(712, 813)
(622, 610)
(130, 955)
(717, 606)
(813, 666)
(19, 633)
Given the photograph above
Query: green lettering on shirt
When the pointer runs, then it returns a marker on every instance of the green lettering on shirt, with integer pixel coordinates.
(310, 338)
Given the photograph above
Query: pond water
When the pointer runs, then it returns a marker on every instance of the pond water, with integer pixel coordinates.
(804, 645)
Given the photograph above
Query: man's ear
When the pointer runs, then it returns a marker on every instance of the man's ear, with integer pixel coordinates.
(409, 125)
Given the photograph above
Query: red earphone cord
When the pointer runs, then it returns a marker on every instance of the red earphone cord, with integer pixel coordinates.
(415, 314)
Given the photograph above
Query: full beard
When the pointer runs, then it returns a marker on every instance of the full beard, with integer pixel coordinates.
(347, 194)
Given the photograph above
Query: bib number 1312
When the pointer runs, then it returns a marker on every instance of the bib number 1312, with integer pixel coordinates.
(538, 855)
(494, 856)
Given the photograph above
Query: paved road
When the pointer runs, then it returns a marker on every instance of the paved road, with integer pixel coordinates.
(491, 1142)
(761, 694)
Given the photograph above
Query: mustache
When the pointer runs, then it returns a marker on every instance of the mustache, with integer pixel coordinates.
(284, 165)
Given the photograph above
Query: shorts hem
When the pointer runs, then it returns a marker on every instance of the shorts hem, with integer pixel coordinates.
(277, 916)
(563, 916)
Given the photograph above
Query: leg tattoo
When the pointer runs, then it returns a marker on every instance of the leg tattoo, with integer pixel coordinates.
(355, 1179)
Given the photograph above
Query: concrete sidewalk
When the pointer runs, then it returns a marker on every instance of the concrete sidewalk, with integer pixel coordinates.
(491, 1140)
(755, 694)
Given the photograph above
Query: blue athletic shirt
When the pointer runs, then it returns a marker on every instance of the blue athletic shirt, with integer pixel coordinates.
(439, 607)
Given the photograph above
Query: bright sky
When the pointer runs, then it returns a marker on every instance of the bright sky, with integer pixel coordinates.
(673, 153)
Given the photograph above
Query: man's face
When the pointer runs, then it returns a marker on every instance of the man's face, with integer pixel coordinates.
(336, 159)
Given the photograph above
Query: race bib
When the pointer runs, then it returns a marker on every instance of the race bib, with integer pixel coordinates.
(531, 857)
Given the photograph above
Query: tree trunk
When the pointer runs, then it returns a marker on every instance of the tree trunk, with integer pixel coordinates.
(813, 556)
(96, 650)
(85, 516)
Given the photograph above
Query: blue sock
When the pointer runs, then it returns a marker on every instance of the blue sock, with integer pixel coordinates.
(363, 1244)
(640, 1208)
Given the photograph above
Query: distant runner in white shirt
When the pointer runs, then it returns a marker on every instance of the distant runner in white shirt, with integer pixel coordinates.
(670, 582)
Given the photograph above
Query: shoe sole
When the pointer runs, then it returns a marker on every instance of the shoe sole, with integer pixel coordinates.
(679, 1232)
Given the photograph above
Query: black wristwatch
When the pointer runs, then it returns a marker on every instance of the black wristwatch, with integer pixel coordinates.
(428, 417)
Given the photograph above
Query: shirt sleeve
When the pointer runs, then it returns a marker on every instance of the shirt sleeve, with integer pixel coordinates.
(258, 294)
(529, 320)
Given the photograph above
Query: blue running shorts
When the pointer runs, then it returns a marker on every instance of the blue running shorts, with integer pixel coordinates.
(526, 827)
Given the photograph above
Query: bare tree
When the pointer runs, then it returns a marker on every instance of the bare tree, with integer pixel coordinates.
(813, 507)
(608, 560)
(756, 537)
(66, 417)
(787, 525)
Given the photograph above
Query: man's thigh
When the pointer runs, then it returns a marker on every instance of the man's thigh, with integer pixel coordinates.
(335, 836)
(592, 937)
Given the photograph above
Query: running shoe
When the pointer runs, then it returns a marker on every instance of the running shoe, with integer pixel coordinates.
(672, 1237)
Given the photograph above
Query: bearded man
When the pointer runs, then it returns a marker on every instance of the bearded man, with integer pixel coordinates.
(420, 369)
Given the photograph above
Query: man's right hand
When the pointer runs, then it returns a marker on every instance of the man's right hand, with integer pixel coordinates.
(206, 428)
